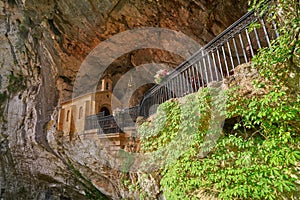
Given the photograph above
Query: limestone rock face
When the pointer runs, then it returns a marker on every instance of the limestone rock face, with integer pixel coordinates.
(43, 44)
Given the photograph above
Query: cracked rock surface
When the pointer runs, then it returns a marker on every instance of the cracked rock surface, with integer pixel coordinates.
(42, 46)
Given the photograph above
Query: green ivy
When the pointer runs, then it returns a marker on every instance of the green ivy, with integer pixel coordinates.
(262, 165)
(259, 156)
(177, 124)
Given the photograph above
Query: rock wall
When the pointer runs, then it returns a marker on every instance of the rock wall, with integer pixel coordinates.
(43, 43)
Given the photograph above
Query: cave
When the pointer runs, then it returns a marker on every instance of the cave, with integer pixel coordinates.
(52, 44)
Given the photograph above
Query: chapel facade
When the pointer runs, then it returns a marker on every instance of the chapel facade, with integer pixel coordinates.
(73, 113)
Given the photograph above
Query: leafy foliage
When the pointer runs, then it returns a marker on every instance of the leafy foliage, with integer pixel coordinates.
(16, 83)
(175, 128)
(281, 62)
(259, 157)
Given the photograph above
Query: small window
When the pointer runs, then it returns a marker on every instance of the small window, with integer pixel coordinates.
(105, 111)
(68, 116)
(80, 112)
(107, 86)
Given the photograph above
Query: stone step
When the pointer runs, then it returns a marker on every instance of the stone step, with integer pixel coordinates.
(130, 128)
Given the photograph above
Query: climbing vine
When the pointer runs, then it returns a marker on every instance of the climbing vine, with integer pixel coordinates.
(258, 157)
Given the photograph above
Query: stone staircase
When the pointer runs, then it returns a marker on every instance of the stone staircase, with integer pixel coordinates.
(113, 142)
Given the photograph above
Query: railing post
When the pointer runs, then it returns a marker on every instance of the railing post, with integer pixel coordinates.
(177, 86)
(250, 43)
(230, 54)
(265, 31)
(236, 50)
(243, 47)
(200, 76)
(206, 75)
(220, 63)
(257, 38)
(194, 79)
(215, 64)
(189, 80)
(210, 66)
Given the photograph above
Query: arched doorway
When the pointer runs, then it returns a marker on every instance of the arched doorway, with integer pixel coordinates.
(105, 111)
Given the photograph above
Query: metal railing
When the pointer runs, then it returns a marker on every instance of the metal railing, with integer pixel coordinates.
(113, 123)
(213, 62)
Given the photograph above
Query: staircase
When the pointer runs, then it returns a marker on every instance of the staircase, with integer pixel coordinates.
(113, 142)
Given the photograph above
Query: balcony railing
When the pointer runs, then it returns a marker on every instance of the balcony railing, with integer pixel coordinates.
(215, 61)
(113, 123)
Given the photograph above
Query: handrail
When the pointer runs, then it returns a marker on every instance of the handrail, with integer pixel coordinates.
(213, 62)
(113, 123)
(210, 44)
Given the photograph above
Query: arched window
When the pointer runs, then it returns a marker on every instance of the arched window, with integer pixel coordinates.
(105, 111)
(68, 115)
(107, 86)
(80, 112)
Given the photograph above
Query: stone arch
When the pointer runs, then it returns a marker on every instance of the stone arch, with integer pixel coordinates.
(105, 109)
